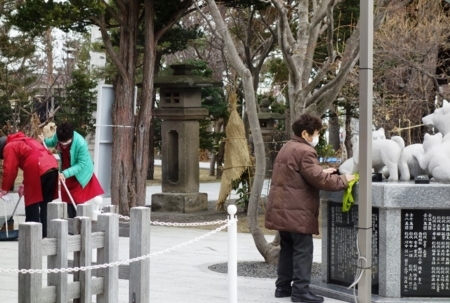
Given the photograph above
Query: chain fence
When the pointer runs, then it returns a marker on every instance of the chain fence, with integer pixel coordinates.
(225, 223)
(208, 223)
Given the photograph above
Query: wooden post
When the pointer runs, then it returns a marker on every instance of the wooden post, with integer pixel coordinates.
(84, 210)
(30, 257)
(56, 210)
(58, 228)
(83, 257)
(111, 209)
(139, 290)
(109, 224)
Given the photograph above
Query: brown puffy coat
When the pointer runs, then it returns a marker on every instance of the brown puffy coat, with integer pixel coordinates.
(297, 178)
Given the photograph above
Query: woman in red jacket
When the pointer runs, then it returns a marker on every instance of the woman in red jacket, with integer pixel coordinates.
(40, 174)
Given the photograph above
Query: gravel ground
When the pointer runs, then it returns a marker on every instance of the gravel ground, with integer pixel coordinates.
(259, 269)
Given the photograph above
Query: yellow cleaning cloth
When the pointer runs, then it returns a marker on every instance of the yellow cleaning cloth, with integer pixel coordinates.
(348, 201)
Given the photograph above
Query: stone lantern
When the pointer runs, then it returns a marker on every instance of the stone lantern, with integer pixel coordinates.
(267, 119)
(267, 123)
(180, 110)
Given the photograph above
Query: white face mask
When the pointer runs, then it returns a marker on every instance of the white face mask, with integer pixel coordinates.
(315, 141)
(66, 143)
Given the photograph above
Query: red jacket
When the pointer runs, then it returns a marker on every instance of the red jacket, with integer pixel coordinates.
(32, 158)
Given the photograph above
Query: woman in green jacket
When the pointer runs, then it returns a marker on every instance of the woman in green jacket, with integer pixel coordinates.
(76, 167)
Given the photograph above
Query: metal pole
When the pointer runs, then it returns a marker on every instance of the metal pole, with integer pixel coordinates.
(365, 148)
(232, 254)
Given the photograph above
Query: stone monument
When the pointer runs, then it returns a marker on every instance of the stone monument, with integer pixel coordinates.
(180, 110)
(410, 243)
(410, 227)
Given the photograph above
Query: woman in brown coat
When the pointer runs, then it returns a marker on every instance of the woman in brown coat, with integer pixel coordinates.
(293, 207)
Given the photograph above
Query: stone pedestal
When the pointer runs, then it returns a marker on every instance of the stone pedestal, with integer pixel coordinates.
(410, 243)
(178, 202)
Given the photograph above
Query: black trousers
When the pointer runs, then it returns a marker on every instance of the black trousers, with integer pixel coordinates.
(71, 211)
(295, 262)
(37, 212)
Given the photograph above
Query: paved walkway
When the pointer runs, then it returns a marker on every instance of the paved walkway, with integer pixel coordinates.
(179, 276)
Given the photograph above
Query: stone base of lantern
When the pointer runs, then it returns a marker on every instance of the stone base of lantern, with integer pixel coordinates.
(180, 202)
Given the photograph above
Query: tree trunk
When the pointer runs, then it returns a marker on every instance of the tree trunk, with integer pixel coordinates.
(348, 132)
(269, 252)
(219, 160)
(151, 141)
(131, 134)
(151, 154)
(212, 165)
(145, 109)
(123, 191)
(288, 124)
(218, 127)
(50, 80)
(123, 180)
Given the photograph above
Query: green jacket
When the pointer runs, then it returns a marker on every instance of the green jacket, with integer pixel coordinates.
(81, 165)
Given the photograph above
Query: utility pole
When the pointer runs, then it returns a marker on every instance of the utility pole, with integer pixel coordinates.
(365, 150)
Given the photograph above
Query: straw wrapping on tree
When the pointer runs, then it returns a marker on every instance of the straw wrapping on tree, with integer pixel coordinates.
(237, 156)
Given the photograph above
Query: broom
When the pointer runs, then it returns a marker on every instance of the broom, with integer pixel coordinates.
(10, 221)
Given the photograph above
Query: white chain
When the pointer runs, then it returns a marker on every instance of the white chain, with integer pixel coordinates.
(217, 222)
(117, 263)
(189, 224)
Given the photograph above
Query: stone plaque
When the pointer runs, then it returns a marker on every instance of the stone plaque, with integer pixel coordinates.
(425, 253)
(342, 251)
